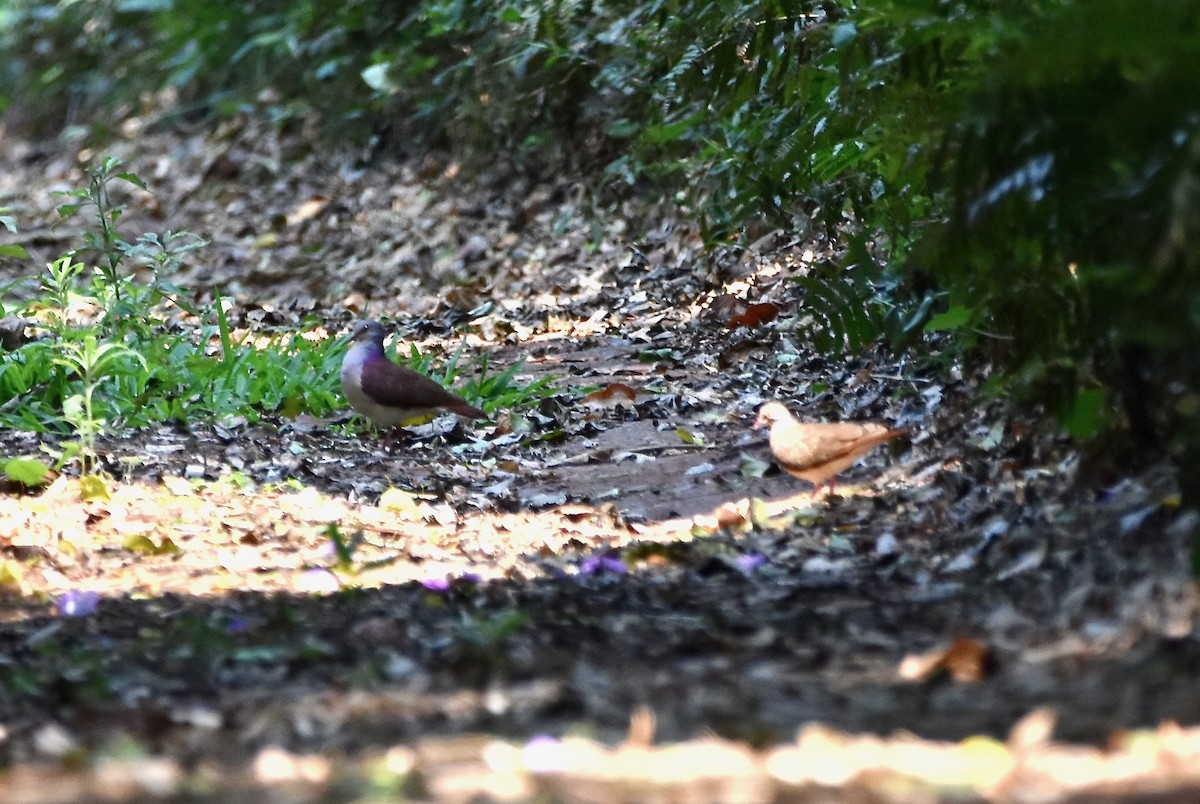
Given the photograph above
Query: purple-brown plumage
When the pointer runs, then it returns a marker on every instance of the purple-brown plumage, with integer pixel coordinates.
(389, 394)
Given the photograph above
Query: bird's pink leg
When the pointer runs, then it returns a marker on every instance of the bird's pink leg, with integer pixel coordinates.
(816, 494)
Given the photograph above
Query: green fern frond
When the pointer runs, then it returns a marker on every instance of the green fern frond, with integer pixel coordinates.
(843, 315)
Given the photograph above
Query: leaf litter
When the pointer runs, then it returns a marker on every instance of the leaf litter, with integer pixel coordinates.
(611, 596)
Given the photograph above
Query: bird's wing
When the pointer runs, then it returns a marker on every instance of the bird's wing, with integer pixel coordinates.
(401, 387)
(811, 444)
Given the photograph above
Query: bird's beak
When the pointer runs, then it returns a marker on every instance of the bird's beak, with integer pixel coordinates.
(760, 423)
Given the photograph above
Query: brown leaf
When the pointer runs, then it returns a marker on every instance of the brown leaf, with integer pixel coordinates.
(966, 660)
(611, 396)
(355, 302)
(308, 209)
(732, 515)
(754, 315)
(576, 511)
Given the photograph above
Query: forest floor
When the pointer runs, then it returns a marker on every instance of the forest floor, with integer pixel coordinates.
(620, 599)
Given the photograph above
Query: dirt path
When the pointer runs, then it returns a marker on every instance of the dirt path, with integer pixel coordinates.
(572, 579)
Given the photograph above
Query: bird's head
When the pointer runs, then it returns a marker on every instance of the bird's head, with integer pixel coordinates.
(770, 413)
(367, 331)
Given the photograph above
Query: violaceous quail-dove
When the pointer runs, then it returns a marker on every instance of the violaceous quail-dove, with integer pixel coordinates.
(817, 451)
(389, 394)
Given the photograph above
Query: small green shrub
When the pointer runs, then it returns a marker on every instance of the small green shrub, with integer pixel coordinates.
(112, 356)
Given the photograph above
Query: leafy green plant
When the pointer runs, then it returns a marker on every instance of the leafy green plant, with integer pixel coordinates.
(216, 57)
(29, 472)
(343, 549)
(56, 380)
(89, 360)
(501, 391)
(62, 297)
(112, 355)
(845, 311)
(126, 303)
(286, 374)
(105, 240)
(10, 223)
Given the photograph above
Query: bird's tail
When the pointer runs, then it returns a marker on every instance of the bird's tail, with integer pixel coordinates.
(463, 409)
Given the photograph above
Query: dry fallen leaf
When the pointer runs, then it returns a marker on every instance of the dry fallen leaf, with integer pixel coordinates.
(965, 659)
(732, 514)
(753, 316)
(611, 396)
(308, 209)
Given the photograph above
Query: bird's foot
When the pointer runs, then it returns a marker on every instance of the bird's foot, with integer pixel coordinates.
(822, 491)
(395, 438)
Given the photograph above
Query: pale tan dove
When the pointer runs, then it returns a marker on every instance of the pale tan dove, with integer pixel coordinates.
(817, 451)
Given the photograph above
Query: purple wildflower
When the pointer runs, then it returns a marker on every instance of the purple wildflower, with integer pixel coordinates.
(78, 603)
(749, 562)
(593, 565)
(436, 584)
(441, 584)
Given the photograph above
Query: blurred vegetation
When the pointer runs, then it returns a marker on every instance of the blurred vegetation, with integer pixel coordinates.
(1022, 174)
(123, 348)
(1070, 216)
